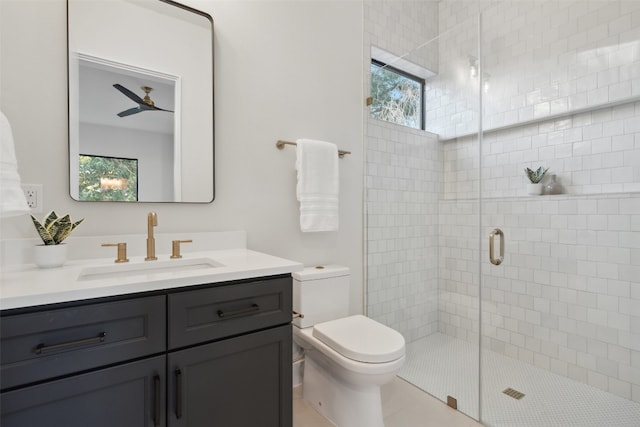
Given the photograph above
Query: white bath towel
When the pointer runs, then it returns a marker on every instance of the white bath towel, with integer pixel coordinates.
(12, 200)
(318, 185)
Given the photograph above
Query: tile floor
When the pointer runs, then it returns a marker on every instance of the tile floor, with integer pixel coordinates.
(403, 405)
(443, 366)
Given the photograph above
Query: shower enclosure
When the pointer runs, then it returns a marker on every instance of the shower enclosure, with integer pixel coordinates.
(550, 336)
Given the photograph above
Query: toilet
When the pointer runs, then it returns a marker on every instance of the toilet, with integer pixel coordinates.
(347, 358)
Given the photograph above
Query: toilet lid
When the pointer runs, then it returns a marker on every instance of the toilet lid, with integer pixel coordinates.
(362, 339)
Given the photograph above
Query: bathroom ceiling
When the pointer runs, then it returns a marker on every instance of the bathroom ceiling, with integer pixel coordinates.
(100, 102)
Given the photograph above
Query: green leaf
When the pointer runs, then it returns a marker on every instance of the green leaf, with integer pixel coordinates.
(49, 219)
(75, 224)
(537, 175)
(55, 228)
(42, 231)
(61, 228)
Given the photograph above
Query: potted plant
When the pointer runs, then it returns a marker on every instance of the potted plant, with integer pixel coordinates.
(52, 230)
(535, 186)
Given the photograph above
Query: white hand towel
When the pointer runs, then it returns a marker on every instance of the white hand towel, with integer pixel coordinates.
(12, 200)
(318, 185)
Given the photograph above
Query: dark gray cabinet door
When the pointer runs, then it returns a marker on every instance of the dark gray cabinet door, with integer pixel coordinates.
(239, 382)
(129, 395)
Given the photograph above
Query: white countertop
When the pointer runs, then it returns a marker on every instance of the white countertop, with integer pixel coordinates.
(27, 285)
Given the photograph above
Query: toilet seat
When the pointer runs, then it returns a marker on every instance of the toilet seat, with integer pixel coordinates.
(305, 339)
(361, 339)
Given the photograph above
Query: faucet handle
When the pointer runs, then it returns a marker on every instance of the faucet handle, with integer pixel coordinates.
(175, 248)
(122, 251)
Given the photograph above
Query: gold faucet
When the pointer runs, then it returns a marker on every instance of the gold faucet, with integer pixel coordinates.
(175, 248)
(122, 251)
(152, 221)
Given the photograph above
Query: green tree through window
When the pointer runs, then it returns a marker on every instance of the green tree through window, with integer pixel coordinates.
(397, 96)
(108, 179)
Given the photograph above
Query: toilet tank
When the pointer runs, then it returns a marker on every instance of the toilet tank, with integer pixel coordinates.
(321, 294)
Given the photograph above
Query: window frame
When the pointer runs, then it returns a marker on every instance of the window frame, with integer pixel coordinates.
(412, 77)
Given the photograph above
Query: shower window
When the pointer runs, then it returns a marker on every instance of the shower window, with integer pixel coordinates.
(397, 96)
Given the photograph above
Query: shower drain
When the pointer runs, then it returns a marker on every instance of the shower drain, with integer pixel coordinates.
(513, 393)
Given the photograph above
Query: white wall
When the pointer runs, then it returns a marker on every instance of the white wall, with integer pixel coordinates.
(404, 30)
(403, 183)
(403, 186)
(283, 70)
(541, 59)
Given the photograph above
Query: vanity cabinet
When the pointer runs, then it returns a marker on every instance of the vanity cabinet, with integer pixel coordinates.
(231, 344)
(206, 355)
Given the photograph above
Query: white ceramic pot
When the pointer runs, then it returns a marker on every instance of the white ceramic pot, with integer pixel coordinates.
(49, 256)
(535, 189)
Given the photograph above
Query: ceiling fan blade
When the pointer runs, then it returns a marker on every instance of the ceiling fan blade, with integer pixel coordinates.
(132, 96)
(162, 109)
(130, 111)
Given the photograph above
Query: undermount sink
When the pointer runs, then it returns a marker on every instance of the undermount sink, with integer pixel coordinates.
(147, 267)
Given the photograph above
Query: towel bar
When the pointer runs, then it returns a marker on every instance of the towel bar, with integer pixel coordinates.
(280, 144)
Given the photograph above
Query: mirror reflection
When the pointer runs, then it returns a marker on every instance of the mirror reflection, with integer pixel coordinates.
(140, 101)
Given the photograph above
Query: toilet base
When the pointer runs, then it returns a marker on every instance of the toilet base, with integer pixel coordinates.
(342, 404)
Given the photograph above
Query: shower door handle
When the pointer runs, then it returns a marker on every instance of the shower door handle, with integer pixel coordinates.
(492, 258)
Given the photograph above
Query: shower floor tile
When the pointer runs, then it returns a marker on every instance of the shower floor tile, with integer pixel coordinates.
(443, 365)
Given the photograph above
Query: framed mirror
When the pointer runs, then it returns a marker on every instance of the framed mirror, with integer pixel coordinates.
(140, 87)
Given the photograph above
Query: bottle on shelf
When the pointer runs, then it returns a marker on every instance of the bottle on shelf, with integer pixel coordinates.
(553, 186)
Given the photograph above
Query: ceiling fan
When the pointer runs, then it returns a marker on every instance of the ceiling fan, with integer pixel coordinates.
(145, 104)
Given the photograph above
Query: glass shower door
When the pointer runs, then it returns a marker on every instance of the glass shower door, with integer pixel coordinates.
(422, 227)
(560, 342)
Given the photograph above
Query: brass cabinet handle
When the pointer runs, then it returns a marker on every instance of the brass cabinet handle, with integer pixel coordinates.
(492, 258)
(42, 347)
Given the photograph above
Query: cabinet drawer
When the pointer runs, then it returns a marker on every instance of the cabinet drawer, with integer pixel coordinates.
(127, 395)
(217, 312)
(47, 344)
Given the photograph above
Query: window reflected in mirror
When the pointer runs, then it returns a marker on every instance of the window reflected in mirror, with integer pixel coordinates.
(108, 179)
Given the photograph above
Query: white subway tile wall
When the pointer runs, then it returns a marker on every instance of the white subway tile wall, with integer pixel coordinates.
(399, 27)
(539, 58)
(590, 153)
(403, 184)
(567, 297)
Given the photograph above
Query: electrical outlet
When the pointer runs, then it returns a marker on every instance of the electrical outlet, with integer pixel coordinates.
(33, 193)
